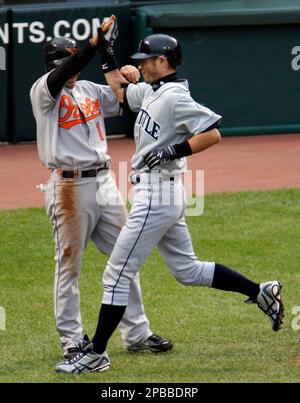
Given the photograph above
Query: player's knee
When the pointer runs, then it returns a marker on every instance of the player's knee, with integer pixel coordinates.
(184, 279)
(115, 296)
(200, 274)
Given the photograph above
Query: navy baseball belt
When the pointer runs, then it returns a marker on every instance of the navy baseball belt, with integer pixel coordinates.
(151, 178)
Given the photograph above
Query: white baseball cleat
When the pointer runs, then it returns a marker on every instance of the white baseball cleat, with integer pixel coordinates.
(270, 302)
(85, 361)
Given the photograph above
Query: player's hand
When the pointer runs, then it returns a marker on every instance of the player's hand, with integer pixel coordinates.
(110, 29)
(106, 34)
(131, 73)
(157, 157)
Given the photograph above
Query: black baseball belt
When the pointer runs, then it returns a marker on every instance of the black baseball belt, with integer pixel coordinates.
(89, 173)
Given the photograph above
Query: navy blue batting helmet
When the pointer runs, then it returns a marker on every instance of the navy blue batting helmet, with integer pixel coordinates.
(160, 45)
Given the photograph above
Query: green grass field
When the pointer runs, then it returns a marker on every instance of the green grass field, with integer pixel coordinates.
(217, 337)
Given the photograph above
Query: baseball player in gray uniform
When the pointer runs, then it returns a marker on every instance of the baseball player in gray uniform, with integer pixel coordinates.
(170, 126)
(72, 143)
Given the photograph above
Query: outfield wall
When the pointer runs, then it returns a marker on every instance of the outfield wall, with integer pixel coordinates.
(241, 59)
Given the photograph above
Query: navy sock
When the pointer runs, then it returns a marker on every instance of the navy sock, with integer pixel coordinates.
(109, 318)
(229, 280)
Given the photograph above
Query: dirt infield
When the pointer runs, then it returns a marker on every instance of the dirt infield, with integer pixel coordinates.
(236, 164)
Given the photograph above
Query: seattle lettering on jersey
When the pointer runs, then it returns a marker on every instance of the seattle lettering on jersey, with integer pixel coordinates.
(71, 114)
(148, 124)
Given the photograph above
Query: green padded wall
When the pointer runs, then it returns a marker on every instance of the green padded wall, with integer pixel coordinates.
(32, 26)
(238, 58)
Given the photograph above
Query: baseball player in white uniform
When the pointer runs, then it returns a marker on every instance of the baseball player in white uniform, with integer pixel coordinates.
(82, 200)
(170, 126)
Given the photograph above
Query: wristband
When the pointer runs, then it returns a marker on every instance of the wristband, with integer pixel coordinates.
(182, 149)
(109, 62)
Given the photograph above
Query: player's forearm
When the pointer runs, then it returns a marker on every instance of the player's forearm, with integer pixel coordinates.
(202, 141)
(72, 66)
(114, 79)
(199, 142)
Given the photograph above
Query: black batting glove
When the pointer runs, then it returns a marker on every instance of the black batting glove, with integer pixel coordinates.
(106, 35)
(157, 157)
(104, 40)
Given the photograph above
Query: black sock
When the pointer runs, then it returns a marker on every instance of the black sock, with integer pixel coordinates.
(109, 318)
(229, 280)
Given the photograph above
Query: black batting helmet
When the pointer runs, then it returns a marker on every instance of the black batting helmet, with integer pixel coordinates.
(57, 50)
(160, 45)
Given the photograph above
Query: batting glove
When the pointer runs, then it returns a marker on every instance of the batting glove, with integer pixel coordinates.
(157, 157)
(106, 35)
(104, 41)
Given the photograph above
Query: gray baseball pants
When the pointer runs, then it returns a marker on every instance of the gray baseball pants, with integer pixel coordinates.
(157, 218)
(82, 209)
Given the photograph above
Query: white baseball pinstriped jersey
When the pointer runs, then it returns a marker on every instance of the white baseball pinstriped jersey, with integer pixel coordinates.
(70, 128)
(166, 117)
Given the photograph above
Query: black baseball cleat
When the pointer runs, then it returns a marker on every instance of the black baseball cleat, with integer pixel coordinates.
(154, 343)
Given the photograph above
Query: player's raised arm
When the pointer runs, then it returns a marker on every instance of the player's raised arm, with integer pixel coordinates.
(63, 69)
(104, 40)
(116, 78)
(75, 59)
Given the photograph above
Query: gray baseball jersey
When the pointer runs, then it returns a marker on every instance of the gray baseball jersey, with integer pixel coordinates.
(81, 109)
(166, 117)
